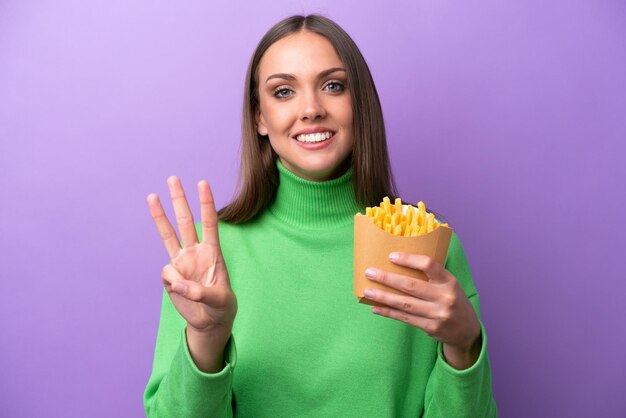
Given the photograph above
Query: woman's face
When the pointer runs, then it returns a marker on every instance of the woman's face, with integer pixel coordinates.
(305, 106)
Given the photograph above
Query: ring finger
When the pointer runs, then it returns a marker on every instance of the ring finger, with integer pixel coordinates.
(408, 304)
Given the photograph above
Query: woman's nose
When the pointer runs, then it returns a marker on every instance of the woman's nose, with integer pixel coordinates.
(312, 108)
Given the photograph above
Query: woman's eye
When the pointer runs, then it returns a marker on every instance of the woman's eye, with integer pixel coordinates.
(281, 93)
(334, 86)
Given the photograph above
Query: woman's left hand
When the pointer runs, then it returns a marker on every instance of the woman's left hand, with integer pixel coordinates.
(439, 307)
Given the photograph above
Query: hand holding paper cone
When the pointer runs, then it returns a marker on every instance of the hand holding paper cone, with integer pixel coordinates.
(401, 273)
(439, 307)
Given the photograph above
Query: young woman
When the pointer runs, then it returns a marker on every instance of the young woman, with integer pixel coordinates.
(314, 153)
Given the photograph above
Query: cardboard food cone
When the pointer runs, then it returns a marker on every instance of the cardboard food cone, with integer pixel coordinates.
(372, 246)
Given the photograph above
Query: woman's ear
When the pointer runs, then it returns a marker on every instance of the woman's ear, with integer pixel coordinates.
(260, 123)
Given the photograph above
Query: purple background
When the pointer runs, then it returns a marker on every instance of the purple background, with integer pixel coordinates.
(507, 117)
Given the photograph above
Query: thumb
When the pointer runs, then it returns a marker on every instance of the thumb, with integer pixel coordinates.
(189, 289)
(196, 292)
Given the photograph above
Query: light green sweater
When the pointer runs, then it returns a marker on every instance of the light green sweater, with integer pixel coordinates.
(304, 346)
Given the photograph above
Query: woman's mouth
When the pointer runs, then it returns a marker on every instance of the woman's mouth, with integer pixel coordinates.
(314, 138)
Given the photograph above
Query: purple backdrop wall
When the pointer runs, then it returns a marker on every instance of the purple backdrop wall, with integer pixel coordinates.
(508, 117)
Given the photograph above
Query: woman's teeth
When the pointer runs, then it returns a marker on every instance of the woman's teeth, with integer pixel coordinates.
(318, 137)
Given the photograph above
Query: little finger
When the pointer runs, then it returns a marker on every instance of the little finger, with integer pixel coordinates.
(169, 275)
(424, 324)
(210, 296)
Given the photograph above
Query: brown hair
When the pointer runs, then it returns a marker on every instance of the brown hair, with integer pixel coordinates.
(371, 173)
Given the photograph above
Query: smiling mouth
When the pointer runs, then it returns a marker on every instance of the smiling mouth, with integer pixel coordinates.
(314, 138)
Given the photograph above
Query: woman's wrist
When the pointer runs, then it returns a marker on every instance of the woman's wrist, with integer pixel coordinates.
(463, 358)
(207, 347)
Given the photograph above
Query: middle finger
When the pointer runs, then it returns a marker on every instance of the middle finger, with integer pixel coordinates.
(409, 285)
(184, 218)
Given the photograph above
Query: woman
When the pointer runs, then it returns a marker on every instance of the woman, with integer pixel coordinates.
(313, 155)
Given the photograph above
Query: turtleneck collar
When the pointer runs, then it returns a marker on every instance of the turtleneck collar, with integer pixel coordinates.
(314, 205)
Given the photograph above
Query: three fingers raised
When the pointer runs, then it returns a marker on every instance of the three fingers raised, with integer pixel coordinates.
(184, 217)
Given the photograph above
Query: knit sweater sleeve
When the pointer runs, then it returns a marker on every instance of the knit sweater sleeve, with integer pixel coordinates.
(461, 393)
(177, 388)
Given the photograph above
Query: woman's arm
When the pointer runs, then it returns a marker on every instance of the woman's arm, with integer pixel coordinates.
(177, 386)
(192, 374)
(447, 309)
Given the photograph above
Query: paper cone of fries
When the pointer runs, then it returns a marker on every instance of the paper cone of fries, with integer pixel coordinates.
(372, 246)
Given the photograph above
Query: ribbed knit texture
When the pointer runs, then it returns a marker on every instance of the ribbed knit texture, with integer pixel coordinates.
(302, 346)
(314, 205)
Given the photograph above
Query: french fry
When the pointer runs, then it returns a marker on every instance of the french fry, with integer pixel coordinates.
(397, 217)
(421, 213)
(386, 205)
(398, 205)
(409, 214)
(411, 222)
(415, 225)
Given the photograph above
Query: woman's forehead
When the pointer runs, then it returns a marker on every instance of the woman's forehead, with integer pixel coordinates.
(299, 54)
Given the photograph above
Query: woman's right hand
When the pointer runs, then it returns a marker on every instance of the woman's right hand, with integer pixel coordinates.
(196, 279)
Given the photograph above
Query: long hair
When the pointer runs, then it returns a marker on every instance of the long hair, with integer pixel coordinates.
(371, 172)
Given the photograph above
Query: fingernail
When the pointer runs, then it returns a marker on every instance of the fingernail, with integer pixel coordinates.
(394, 256)
(369, 293)
(370, 272)
(376, 310)
(179, 288)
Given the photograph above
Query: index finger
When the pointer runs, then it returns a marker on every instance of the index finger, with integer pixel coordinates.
(163, 225)
(409, 285)
(431, 268)
(208, 214)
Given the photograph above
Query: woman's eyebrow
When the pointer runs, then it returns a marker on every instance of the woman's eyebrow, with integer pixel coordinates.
(328, 72)
(285, 76)
(291, 77)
